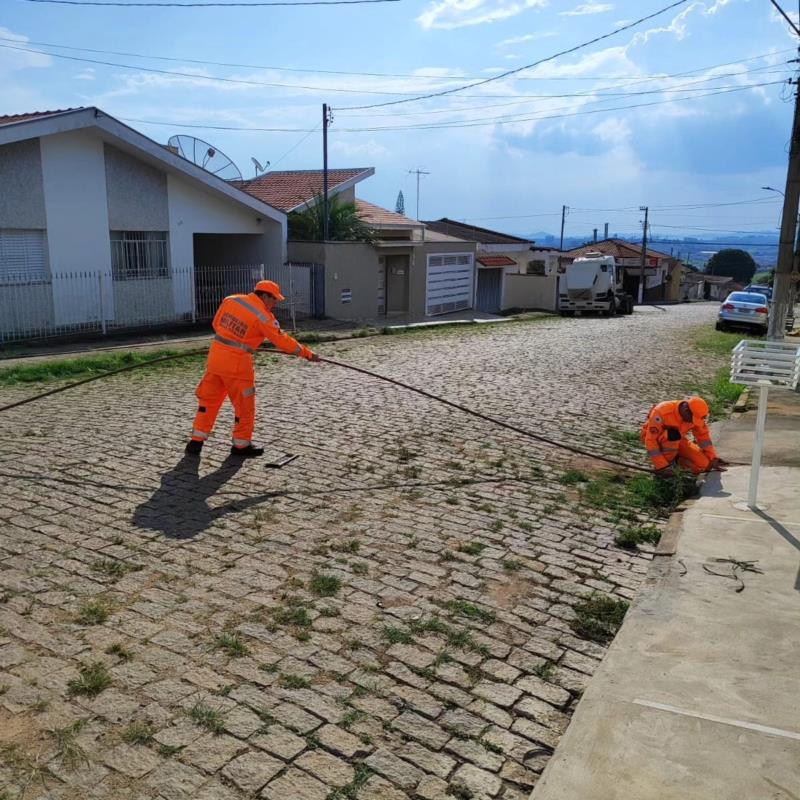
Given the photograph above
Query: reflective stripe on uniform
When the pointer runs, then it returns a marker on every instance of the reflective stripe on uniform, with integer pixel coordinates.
(669, 450)
(654, 452)
(705, 444)
(298, 350)
(199, 434)
(234, 343)
(249, 392)
(252, 309)
(241, 442)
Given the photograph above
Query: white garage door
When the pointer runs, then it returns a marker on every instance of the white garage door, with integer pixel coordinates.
(450, 283)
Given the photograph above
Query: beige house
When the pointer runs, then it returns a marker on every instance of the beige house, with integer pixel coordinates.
(512, 272)
(407, 272)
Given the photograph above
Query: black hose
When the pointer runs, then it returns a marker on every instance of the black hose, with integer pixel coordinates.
(410, 388)
(487, 418)
(99, 377)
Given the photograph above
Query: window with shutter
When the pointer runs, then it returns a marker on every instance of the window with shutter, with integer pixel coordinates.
(22, 255)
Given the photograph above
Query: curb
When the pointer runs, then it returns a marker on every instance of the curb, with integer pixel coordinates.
(741, 402)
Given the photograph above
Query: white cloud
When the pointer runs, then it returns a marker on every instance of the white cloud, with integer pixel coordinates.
(528, 37)
(369, 149)
(86, 75)
(614, 131)
(588, 8)
(13, 59)
(449, 14)
(719, 4)
(677, 27)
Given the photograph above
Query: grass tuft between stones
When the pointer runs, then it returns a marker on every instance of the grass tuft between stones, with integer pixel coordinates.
(599, 617)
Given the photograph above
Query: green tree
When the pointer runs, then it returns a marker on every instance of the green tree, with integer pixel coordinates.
(733, 263)
(400, 205)
(344, 224)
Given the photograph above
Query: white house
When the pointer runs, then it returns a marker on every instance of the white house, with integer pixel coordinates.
(102, 226)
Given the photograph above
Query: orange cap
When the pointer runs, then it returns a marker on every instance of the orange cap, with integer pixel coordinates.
(270, 287)
(698, 406)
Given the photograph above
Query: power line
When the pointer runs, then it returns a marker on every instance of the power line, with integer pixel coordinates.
(450, 125)
(256, 4)
(417, 76)
(296, 145)
(527, 66)
(515, 119)
(786, 17)
(195, 76)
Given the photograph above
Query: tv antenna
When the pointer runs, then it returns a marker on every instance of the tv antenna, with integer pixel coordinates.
(258, 166)
(205, 156)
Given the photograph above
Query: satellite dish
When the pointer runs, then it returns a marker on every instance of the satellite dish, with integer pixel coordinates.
(258, 166)
(205, 156)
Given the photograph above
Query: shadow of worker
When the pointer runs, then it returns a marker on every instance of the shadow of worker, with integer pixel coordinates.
(179, 507)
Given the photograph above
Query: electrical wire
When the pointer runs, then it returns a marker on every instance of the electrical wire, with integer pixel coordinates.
(408, 75)
(503, 120)
(517, 70)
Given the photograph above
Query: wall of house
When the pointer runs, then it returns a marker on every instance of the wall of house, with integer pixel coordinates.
(76, 205)
(418, 280)
(193, 209)
(350, 268)
(136, 192)
(533, 292)
(22, 206)
(22, 195)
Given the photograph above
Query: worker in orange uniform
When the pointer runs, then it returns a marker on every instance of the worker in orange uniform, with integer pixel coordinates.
(665, 437)
(241, 324)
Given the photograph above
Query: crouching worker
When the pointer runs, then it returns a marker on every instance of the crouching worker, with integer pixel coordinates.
(665, 437)
(241, 324)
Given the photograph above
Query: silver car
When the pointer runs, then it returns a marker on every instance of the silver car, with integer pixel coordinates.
(744, 309)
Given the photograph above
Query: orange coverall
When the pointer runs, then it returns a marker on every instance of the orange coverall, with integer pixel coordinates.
(241, 325)
(664, 436)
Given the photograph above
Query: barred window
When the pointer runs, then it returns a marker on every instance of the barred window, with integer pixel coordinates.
(139, 254)
(22, 255)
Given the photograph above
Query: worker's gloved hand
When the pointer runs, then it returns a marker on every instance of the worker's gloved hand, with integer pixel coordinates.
(718, 465)
(308, 354)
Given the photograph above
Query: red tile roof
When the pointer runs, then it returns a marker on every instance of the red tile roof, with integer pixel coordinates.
(12, 119)
(618, 248)
(289, 189)
(496, 261)
(377, 217)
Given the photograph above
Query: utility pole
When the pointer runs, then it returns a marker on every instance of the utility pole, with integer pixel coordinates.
(644, 253)
(418, 172)
(564, 210)
(783, 285)
(327, 118)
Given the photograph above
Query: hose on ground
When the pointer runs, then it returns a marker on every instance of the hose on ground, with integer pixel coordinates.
(408, 387)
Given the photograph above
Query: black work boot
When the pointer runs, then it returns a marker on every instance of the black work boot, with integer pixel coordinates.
(247, 452)
(193, 448)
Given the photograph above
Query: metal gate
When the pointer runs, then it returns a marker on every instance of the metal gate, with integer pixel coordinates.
(490, 288)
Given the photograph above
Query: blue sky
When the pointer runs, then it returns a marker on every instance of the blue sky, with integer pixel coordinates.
(574, 137)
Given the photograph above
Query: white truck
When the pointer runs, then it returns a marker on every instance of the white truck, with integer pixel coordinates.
(593, 283)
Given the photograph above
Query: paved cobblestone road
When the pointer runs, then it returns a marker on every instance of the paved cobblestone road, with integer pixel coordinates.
(386, 618)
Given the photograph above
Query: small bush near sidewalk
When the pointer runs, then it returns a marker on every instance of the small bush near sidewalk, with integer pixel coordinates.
(631, 537)
(599, 617)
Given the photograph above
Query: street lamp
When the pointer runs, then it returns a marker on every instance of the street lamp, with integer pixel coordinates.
(770, 189)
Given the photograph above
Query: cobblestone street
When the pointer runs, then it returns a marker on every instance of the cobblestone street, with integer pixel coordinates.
(388, 617)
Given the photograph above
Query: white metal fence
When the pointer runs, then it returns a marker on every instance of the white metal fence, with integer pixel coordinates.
(101, 302)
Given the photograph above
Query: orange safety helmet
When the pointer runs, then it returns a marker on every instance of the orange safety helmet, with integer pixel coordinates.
(270, 287)
(698, 406)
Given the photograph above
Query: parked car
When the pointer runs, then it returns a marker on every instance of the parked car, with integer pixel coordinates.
(760, 289)
(745, 309)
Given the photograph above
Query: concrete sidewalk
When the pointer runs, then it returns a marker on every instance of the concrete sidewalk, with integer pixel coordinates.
(699, 695)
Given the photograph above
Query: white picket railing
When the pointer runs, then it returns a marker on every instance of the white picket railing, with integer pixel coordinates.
(105, 301)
